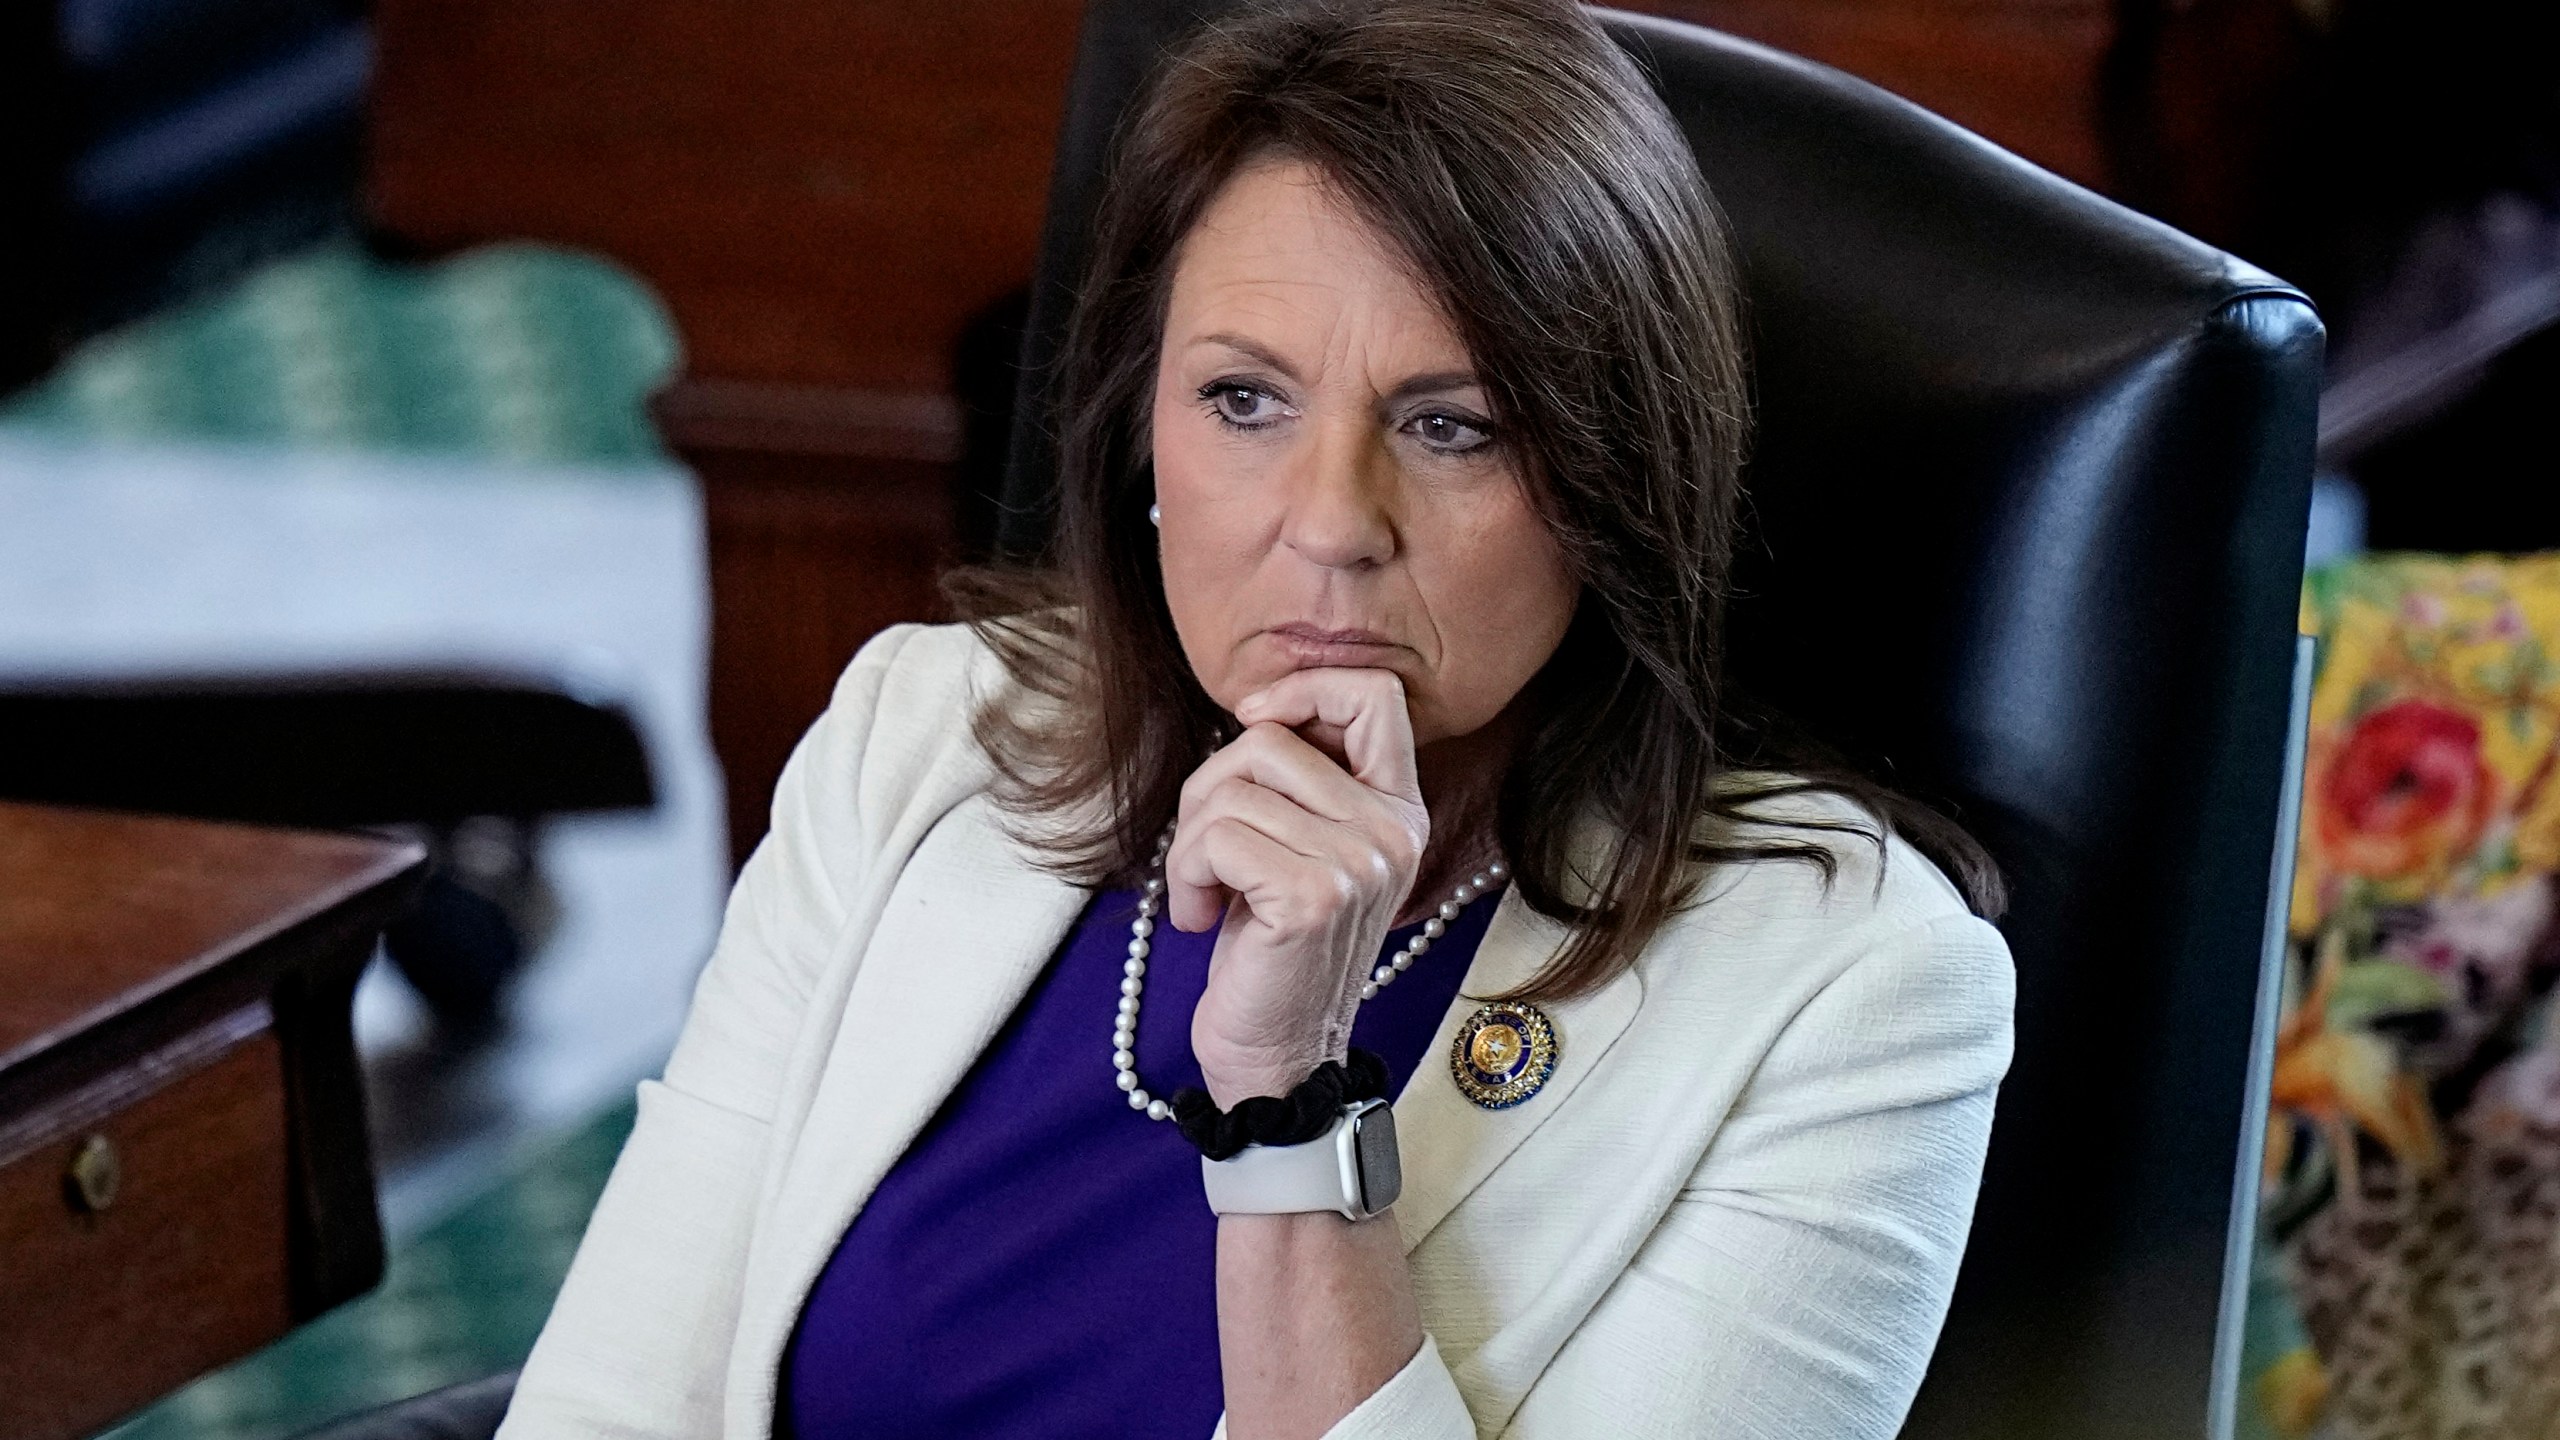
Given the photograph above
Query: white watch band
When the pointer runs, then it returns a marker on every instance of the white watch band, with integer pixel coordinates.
(1352, 1169)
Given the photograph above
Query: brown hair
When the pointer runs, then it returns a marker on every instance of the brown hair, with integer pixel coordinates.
(1540, 192)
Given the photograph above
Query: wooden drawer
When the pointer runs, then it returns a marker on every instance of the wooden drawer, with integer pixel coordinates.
(175, 1260)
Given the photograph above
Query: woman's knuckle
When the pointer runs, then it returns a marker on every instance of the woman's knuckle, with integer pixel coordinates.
(1344, 884)
(1393, 841)
(1385, 865)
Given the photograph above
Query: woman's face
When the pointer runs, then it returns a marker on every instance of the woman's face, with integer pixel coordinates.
(1332, 490)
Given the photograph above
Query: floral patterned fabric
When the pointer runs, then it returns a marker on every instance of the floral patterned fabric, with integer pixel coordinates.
(2408, 1280)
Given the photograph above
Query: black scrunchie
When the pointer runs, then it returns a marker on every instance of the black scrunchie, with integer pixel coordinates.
(1292, 1119)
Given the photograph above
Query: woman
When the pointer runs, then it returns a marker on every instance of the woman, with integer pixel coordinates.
(1360, 743)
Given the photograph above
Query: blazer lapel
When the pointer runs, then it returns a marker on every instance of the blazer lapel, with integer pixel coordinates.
(1449, 1143)
(968, 927)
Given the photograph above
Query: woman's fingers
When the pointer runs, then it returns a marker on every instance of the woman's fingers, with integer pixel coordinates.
(1339, 834)
(1271, 755)
(1226, 855)
(1364, 707)
(1194, 896)
(1281, 887)
(1275, 759)
(1272, 813)
(1319, 855)
(1317, 858)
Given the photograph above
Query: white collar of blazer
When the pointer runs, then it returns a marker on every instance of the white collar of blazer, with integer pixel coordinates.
(1450, 1143)
(959, 942)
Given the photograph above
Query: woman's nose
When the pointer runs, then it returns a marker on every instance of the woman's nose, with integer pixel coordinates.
(1338, 501)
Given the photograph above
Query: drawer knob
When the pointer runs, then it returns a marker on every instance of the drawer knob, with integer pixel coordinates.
(96, 1174)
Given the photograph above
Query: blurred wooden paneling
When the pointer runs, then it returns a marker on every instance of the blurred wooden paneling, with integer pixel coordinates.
(828, 517)
(2213, 92)
(824, 195)
(2023, 73)
(826, 192)
(823, 192)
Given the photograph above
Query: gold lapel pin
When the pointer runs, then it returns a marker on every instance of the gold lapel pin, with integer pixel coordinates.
(1503, 1054)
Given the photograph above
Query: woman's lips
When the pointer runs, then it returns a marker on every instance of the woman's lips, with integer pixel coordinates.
(1308, 647)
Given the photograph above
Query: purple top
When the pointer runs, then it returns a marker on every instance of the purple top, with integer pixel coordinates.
(1040, 1261)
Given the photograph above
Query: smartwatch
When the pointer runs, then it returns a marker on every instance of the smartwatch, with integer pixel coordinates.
(1352, 1169)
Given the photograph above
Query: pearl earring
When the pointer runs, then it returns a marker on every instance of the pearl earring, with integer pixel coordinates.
(1155, 516)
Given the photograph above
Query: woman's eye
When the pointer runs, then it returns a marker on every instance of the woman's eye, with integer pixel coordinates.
(1247, 406)
(1453, 434)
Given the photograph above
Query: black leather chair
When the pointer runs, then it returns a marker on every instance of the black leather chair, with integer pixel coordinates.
(2028, 504)
(2028, 509)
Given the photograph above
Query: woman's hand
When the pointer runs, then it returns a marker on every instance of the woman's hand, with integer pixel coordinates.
(1310, 861)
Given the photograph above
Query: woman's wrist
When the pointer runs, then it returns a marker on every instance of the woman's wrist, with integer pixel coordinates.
(1313, 1108)
(1315, 1313)
(1231, 1082)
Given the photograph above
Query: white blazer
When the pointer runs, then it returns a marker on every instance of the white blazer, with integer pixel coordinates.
(1735, 1209)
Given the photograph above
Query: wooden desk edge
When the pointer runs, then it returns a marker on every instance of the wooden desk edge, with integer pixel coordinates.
(301, 968)
(397, 860)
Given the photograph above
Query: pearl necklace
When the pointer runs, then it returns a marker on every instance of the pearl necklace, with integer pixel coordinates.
(1133, 972)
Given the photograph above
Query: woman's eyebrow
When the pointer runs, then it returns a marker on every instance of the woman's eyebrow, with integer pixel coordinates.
(1254, 352)
(1428, 383)
(1423, 384)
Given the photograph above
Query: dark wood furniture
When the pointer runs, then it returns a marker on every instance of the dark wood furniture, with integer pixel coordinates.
(827, 191)
(184, 1174)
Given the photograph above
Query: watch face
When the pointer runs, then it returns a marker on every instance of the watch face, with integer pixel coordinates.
(1381, 1164)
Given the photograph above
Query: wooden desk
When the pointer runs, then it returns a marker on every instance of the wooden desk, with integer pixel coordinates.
(183, 1167)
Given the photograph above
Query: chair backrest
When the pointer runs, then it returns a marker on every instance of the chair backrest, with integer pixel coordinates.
(2028, 499)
